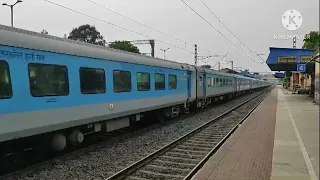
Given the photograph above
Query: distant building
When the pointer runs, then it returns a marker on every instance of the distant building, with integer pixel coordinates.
(316, 58)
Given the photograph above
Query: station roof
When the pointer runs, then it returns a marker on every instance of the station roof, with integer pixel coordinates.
(286, 59)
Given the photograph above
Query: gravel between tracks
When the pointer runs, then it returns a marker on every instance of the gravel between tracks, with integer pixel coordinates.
(110, 158)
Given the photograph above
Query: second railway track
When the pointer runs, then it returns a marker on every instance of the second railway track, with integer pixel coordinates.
(182, 158)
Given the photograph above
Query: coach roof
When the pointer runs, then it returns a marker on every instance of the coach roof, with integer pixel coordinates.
(37, 41)
(212, 71)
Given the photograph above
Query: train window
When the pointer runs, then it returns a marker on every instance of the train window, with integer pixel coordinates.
(209, 81)
(160, 81)
(172, 81)
(220, 82)
(92, 81)
(217, 81)
(5, 81)
(143, 81)
(223, 82)
(48, 80)
(212, 81)
(121, 81)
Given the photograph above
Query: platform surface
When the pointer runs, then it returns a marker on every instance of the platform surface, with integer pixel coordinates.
(266, 146)
(296, 145)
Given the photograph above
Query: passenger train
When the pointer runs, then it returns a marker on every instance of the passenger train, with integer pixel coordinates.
(59, 90)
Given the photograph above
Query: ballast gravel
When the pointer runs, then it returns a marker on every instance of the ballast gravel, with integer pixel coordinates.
(111, 157)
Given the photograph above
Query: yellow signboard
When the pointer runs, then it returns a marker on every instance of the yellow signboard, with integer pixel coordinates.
(305, 59)
(291, 59)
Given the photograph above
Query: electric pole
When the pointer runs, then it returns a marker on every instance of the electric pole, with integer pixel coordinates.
(164, 52)
(152, 47)
(292, 72)
(195, 54)
(11, 8)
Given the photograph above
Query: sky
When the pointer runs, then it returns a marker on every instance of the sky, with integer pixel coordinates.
(254, 22)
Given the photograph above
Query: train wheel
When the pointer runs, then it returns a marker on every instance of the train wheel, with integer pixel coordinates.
(76, 137)
(58, 142)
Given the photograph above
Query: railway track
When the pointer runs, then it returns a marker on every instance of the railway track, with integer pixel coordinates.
(46, 162)
(182, 158)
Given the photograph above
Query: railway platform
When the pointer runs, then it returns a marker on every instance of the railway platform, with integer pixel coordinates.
(278, 141)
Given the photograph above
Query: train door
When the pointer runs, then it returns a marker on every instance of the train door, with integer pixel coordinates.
(204, 85)
(200, 86)
(189, 78)
(235, 82)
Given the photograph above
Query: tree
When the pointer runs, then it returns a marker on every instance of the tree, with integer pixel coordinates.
(88, 34)
(125, 46)
(65, 36)
(44, 31)
(206, 66)
(312, 40)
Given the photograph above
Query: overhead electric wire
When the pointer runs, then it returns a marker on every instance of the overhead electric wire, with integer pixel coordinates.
(227, 27)
(223, 24)
(215, 28)
(137, 22)
(220, 60)
(130, 30)
(141, 24)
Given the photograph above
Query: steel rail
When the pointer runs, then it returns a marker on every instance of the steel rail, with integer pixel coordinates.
(141, 163)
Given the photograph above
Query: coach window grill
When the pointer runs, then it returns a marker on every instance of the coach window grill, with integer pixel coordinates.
(5, 81)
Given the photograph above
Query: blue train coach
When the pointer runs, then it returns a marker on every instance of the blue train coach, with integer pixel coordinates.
(66, 89)
(56, 90)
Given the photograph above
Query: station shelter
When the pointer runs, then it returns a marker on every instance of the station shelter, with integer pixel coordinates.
(298, 66)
